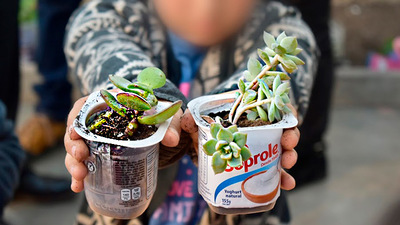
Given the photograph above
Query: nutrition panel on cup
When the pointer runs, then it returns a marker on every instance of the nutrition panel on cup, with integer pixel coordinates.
(152, 169)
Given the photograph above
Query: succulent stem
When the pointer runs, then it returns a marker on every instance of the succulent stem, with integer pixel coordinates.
(243, 109)
(237, 108)
(234, 107)
(274, 63)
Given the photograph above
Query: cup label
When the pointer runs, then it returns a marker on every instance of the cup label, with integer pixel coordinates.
(255, 183)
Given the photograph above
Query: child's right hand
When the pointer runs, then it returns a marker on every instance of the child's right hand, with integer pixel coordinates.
(78, 152)
(76, 148)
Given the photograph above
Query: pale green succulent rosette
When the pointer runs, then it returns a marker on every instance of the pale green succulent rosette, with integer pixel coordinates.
(227, 147)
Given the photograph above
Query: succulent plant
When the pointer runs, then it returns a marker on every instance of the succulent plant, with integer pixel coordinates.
(262, 94)
(137, 98)
(227, 147)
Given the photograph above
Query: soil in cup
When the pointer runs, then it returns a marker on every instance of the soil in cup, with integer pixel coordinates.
(242, 122)
(115, 126)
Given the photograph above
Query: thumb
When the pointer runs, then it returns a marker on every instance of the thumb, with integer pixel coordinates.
(171, 138)
(187, 123)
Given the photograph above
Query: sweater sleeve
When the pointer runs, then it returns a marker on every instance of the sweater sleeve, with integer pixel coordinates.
(301, 80)
(12, 158)
(115, 37)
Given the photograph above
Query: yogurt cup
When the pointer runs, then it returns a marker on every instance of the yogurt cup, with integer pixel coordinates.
(252, 187)
(122, 175)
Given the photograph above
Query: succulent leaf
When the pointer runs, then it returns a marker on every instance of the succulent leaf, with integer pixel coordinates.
(245, 152)
(209, 147)
(113, 103)
(270, 52)
(220, 144)
(249, 96)
(233, 129)
(141, 86)
(251, 115)
(235, 149)
(123, 84)
(152, 100)
(265, 89)
(280, 50)
(279, 103)
(242, 85)
(289, 44)
(274, 46)
(269, 80)
(296, 60)
(133, 101)
(271, 112)
(162, 116)
(218, 164)
(277, 114)
(254, 67)
(273, 74)
(225, 134)
(263, 115)
(152, 77)
(264, 56)
(285, 98)
(214, 129)
(282, 88)
(120, 82)
(281, 37)
(287, 64)
(277, 82)
(240, 139)
(235, 162)
(226, 156)
(226, 149)
(297, 51)
(269, 39)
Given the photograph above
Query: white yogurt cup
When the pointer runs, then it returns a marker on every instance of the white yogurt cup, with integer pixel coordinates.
(227, 192)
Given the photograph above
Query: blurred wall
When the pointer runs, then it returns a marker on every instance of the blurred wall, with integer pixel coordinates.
(368, 25)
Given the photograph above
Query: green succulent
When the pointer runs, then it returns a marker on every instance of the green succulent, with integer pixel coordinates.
(263, 91)
(227, 147)
(137, 98)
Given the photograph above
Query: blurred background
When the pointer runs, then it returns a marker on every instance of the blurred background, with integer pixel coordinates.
(363, 182)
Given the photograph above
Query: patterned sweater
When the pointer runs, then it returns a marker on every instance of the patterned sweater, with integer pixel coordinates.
(123, 37)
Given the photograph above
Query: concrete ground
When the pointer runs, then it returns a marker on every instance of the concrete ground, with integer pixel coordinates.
(363, 186)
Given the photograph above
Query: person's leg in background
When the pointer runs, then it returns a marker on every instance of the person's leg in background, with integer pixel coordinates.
(9, 57)
(30, 183)
(312, 162)
(47, 125)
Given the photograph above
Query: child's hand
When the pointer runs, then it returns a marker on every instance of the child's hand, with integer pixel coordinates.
(289, 140)
(77, 151)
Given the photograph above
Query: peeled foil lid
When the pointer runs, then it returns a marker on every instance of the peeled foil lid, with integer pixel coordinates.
(223, 102)
(95, 103)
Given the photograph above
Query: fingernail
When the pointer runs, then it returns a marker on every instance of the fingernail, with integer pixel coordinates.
(73, 151)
